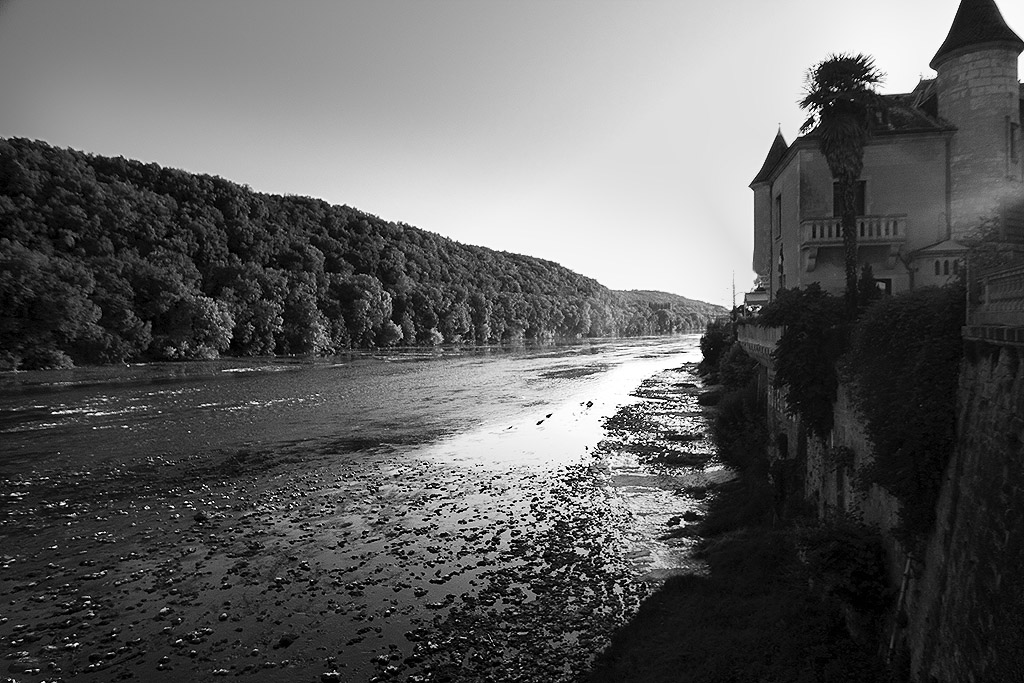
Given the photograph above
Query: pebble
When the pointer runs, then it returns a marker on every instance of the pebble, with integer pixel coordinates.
(312, 555)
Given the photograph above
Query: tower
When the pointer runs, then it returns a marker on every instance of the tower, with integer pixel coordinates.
(764, 218)
(978, 93)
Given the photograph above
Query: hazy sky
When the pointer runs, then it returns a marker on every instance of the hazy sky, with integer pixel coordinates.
(614, 137)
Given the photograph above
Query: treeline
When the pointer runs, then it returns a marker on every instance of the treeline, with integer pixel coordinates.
(104, 260)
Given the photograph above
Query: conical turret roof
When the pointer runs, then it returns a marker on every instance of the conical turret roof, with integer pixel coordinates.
(977, 22)
(775, 154)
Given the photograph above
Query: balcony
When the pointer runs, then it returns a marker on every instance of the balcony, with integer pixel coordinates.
(890, 230)
(1001, 299)
(759, 342)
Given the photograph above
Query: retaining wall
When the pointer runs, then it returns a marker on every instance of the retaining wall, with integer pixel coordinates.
(967, 616)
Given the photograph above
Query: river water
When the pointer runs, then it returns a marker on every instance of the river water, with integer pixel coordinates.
(445, 515)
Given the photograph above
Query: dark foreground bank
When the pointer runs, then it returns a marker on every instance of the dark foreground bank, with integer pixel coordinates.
(755, 617)
(784, 599)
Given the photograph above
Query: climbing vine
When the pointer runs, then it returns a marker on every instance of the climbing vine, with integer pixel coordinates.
(805, 359)
(903, 367)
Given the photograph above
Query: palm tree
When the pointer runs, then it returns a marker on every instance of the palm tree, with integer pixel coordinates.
(840, 99)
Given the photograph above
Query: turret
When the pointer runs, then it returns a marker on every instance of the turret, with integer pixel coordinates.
(978, 93)
(763, 209)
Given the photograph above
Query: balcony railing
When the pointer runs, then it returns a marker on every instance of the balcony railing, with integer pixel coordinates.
(816, 233)
(759, 342)
(821, 232)
(1002, 298)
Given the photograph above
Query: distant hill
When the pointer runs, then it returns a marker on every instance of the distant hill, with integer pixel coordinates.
(667, 300)
(104, 260)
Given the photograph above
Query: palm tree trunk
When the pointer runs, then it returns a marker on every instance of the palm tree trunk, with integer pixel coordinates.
(848, 191)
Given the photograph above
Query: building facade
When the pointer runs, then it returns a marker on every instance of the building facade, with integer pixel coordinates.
(942, 164)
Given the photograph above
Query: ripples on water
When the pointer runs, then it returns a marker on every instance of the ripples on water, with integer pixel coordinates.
(401, 515)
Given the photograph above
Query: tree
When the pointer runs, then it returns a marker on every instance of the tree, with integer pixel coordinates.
(109, 259)
(805, 358)
(45, 308)
(195, 328)
(840, 99)
(305, 329)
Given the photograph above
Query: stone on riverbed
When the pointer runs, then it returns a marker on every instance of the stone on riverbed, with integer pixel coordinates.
(712, 396)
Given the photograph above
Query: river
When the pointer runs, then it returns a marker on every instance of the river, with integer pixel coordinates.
(488, 514)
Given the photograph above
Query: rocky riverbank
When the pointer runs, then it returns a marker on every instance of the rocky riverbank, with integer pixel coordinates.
(298, 563)
(784, 597)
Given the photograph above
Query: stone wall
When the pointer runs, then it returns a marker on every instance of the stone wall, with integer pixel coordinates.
(834, 475)
(962, 614)
(967, 608)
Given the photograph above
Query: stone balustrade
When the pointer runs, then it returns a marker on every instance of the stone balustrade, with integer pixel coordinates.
(870, 230)
(759, 342)
(1002, 298)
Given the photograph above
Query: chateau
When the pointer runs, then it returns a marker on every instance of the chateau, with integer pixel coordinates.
(942, 170)
(941, 163)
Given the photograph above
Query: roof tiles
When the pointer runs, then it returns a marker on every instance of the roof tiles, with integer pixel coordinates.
(976, 22)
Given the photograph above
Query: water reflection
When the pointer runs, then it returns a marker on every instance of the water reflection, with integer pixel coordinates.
(463, 515)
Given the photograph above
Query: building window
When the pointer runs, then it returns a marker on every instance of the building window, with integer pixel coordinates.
(937, 267)
(859, 203)
(945, 267)
(778, 215)
(1012, 133)
(782, 268)
(956, 267)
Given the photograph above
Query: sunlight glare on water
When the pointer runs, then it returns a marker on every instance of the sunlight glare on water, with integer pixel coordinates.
(414, 507)
(102, 414)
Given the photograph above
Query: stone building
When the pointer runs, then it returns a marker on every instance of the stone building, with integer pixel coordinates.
(942, 162)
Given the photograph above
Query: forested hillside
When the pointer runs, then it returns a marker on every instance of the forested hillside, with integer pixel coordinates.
(104, 260)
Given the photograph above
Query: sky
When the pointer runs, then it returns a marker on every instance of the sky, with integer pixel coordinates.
(616, 137)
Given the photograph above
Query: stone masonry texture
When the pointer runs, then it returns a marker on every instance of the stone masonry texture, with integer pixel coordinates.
(967, 615)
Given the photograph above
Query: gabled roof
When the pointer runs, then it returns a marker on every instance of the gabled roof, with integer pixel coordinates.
(940, 248)
(775, 154)
(977, 22)
(913, 112)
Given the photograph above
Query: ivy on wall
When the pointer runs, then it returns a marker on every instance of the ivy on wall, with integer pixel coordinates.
(805, 359)
(903, 367)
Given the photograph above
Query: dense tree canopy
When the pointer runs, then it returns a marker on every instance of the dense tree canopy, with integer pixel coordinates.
(108, 259)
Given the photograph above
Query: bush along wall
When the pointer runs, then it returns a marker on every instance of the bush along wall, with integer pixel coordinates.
(898, 365)
(900, 360)
(805, 360)
(903, 368)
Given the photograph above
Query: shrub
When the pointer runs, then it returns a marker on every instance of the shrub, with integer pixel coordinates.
(848, 563)
(736, 369)
(903, 367)
(716, 339)
(45, 358)
(805, 359)
(739, 430)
